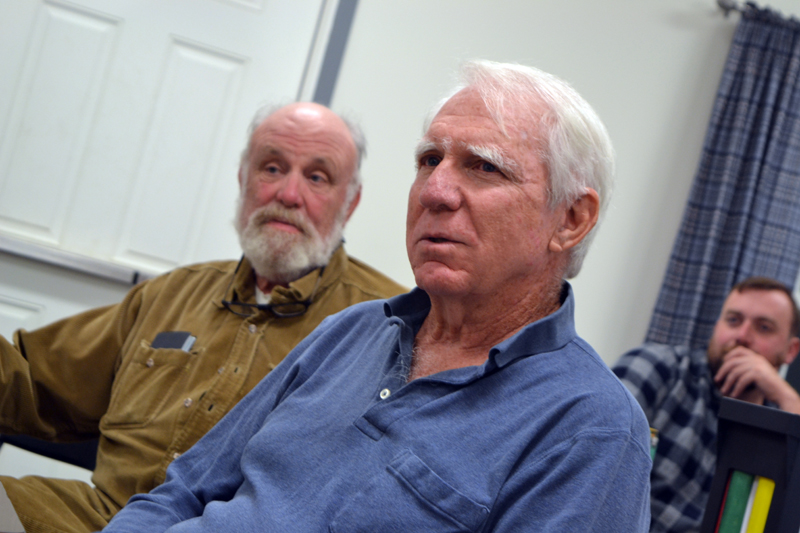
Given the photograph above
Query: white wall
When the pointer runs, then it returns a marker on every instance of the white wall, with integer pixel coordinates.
(650, 69)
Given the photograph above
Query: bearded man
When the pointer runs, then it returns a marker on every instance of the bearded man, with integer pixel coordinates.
(152, 374)
(679, 389)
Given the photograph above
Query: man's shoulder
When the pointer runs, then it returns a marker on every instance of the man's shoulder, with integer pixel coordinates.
(575, 367)
(219, 267)
(194, 275)
(653, 371)
(576, 376)
(370, 281)
(659, 355)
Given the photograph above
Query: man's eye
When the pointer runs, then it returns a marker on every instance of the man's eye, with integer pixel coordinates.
(272, 169)
(431, 160)
(318, 178)
(488, 167)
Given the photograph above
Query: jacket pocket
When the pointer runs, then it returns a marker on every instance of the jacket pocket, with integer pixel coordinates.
(409, 496)
(145, 384)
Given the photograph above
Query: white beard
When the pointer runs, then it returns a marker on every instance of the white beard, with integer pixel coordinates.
(283, 257)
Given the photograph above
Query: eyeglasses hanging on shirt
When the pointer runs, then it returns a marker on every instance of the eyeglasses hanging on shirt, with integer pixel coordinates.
(281, 310)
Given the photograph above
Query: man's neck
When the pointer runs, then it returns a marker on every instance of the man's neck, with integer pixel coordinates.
(455, 336)
(265, 285)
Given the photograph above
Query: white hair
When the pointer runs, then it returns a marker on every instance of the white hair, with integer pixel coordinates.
(360, 142)
(573, 143)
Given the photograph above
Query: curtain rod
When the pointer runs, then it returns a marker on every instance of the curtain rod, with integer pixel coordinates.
(729, 5)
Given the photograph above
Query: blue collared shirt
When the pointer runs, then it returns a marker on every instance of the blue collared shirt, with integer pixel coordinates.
(541, 437)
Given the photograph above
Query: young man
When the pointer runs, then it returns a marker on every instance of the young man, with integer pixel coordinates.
(679, 390)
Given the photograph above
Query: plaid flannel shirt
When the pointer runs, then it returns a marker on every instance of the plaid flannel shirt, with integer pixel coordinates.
(675, 388)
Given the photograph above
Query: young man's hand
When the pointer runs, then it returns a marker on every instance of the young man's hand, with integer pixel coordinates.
(746, 375)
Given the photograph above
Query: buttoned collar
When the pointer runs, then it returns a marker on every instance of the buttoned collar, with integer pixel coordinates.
(545, 335)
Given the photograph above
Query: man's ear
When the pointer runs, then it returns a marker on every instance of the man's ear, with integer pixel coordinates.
(578, 220)
(794, 348)
(353, 204)
(241, 178)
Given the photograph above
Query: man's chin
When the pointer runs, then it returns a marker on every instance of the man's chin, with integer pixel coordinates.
(282, 258)
(283, 243)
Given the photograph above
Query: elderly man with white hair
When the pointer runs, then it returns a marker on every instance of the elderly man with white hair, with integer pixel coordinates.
(469, 404)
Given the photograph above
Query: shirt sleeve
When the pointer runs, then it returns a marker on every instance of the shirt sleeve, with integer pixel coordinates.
(55, 382)
(597, 481)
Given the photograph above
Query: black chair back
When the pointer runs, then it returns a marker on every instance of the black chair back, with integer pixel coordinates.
(83, 454)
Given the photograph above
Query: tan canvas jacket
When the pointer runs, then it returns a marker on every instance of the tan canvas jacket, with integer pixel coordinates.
(96, 374)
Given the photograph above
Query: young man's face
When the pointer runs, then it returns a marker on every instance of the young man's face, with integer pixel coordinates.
(760, 320)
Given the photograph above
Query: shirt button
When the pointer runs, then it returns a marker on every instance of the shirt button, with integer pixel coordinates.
(175, 455)
(385, 393)
(221, 370)
(187, 402)
(150, 363)
(252, 328)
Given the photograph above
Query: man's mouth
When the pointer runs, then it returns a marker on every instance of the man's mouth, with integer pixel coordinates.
(438, 238)
(284, 226)
(288, 222)
(280, 222)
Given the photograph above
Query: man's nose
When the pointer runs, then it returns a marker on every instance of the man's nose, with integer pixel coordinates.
(289, 193)
(744, 335)
(441, 189)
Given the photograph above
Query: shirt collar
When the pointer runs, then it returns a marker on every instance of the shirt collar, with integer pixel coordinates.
(545, 335)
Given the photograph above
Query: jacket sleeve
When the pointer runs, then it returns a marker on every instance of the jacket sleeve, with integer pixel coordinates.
(211, 469)
(55, 381)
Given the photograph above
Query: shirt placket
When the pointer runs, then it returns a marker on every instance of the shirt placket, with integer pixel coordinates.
(220, 397)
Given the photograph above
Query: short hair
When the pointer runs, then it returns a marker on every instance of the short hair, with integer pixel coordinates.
(360, 142)
(574, 144)
(761, 283)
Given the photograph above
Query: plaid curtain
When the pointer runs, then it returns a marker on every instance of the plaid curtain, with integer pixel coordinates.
(743, 214)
